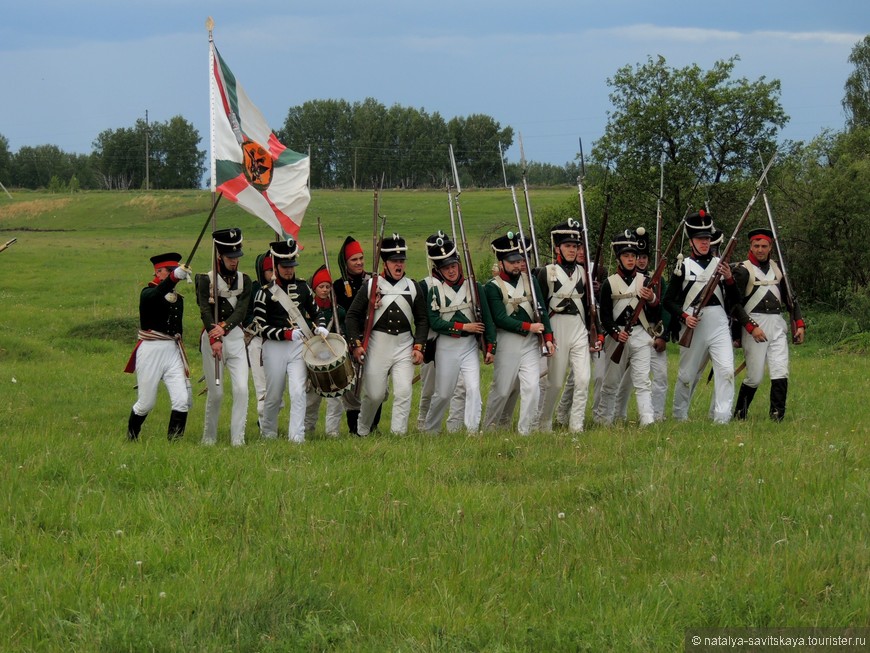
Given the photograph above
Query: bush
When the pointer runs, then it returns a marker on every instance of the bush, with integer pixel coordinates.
(830, 328)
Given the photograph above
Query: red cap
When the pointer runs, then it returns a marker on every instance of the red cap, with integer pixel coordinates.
(321, 276)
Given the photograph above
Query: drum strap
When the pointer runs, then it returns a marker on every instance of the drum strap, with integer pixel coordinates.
(281, 296)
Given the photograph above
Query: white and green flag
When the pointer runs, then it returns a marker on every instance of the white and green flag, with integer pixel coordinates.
(249, 165)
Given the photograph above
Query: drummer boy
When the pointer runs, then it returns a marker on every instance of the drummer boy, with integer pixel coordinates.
(321, 282)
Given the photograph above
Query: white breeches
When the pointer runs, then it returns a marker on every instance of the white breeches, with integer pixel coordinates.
(284, 367)
(572, 352)
(258, 375)
(334, 411)
(517, 357)
(773, 353)
(156, 361)
(635, 362)
(457, 361)
(387, 356)
(234, 361)
(713, 337)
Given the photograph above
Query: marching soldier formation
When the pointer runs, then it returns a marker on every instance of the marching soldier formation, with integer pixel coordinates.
(357, 341)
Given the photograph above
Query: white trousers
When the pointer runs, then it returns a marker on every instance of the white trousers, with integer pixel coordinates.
(517, 357)
(388, 356)
(235, 361)
(658, 366)
(572, 352)
(334, 411)
(457, 361)
(635, 362)
(773, 353)
(258, 375)
(285, 368)
(156, 361)
(712, 337)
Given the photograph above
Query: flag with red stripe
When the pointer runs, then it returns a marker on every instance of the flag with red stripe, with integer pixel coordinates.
(250, 166)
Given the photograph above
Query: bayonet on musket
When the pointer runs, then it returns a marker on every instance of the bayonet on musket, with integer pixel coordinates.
(528, 203)
(592, 327)
(8, 243)
(659, 210)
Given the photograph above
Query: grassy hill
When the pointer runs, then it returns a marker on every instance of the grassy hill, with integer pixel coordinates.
(618, 539)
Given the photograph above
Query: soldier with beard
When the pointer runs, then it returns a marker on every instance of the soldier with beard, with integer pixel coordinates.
(222, 336)
(764, 333)
(284, 311)
(399, 328)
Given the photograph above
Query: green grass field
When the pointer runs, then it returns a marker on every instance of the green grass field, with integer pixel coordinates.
(619, 539)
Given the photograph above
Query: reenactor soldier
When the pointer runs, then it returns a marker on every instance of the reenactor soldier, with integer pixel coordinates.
(263, 266)
(397, 336)
(564, 286)
(511, 305)
(764, 333)
(284, 311)
(159, 354)
(452, 317)
(620, 294)
(223, 338)
(712, 337)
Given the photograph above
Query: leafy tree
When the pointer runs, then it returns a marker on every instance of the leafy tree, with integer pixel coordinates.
(5, 161)
(857, 100)
(34, 167)
(702, 121)
(177, 162)
(370, 143)
(476, 143)
(119, 157)
(324, 126)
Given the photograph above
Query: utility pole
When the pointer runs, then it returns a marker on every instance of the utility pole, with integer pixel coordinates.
(147, 139)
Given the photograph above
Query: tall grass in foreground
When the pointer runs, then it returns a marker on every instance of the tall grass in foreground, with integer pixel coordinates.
(616, 539)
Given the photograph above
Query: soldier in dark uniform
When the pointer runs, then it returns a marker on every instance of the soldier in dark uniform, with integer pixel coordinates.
(159, 354)
(398, 335)
(223, 337)
(351, 264)
(284, 311)
(263, 266)
(764, 333)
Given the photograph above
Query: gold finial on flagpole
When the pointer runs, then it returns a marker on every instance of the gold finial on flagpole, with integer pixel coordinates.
(209, 24)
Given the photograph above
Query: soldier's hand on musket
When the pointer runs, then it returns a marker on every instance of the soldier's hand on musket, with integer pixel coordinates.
(217, 348)
(417, 356)
(473, 327)
(692, 321)
(359, 354)
(536, 327)
(724, 269)
(758, 334)
(488, 358)
(623, 336)
(217, 331)
(646, 294)
(551, 348)
(660, 344)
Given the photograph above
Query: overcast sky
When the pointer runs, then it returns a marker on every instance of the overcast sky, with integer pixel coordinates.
(73, 69)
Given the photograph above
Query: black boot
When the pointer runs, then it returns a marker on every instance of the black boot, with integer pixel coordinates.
(778, 393)
(134, 425)
(352, 420)
(744, 398)
(177, 421)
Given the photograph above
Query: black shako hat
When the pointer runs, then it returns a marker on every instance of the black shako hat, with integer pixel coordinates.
(393, 248)
(627, 241)
(509, 247)
(284, 252)
(567, 232)
(441, 250)
(228, 242)
(699, 225)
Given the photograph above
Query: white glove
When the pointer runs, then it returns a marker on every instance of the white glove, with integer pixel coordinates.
(320, 331)
(180, 273)
(297, 335)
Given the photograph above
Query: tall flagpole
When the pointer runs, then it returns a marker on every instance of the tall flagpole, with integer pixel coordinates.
(209, 25)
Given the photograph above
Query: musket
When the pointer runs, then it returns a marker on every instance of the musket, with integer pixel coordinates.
(599, 270)
(373, 298)
(204, 227)
(616, 356)
(332, 297)
(528, 203)
(659, 209)
(8, 243)
(466, 252)
(707, 294)
(590, 293)
(791, 299)
(536, 311)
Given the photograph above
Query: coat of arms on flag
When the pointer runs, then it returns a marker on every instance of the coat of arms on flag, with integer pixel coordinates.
(250, 166)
